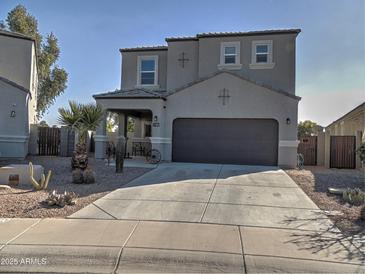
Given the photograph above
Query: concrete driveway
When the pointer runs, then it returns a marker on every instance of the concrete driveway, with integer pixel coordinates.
(206, 193)
(188, 218)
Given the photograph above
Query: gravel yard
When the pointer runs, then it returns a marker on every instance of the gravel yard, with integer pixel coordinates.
(315, 180)
(24, 202)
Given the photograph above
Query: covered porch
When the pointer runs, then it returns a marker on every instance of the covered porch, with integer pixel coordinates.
(145, 115)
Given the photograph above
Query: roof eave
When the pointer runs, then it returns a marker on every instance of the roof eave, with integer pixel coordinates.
(142, 49)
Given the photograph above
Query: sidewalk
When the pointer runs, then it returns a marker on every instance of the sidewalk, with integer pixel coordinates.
(119, 246)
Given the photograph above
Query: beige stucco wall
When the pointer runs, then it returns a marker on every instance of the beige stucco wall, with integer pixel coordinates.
(129, 68)
(204, 58)
(281, 76)
(14, 131)
(177, 75)
(201, 101)
(16, 60)
(247, 101)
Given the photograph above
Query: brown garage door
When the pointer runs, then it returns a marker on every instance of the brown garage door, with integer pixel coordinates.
(225, 141)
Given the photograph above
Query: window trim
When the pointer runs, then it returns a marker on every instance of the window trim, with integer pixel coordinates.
(269, 64)
(237, 65)
(141, 58)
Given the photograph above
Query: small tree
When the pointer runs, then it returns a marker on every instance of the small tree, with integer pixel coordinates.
(52, 79)
(306, 128)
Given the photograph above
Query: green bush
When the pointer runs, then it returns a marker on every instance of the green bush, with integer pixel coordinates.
(354, 196)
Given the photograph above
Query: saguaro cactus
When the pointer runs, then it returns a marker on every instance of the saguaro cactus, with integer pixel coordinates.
(43, 184)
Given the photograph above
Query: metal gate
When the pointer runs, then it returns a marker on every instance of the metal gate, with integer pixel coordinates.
(342, 152)
(48, 141)
(308, 148)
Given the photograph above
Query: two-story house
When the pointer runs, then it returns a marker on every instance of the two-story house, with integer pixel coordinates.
(18, 92)
(212, 98)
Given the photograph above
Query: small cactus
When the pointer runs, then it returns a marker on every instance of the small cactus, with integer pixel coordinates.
(43, 184)
(89, 176)
(77, 176)
(66, 198)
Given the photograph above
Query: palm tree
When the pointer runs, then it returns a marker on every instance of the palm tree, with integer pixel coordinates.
(82, 117)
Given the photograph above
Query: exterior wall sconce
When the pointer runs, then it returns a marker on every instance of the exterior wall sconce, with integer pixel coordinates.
(12, 114)
(155, 118)
(288, 122)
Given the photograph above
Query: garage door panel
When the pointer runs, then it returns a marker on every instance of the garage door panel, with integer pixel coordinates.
(227, 141)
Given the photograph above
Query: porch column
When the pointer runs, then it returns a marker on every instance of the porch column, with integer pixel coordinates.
(137, 128)
(101, 139)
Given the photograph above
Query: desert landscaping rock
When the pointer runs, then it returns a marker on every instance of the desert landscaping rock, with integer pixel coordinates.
(25, 203)
(315, 182)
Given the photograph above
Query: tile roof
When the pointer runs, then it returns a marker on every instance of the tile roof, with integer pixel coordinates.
(11, 83)
(140, 93)
(151, 48)
(15, 35)
(229, 34)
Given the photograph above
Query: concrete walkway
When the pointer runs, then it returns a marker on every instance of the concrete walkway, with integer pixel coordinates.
(187, 218)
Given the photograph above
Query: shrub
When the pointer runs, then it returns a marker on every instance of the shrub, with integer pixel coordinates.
(89, 176)
(55, 199)
(77, 176)
(354, 196)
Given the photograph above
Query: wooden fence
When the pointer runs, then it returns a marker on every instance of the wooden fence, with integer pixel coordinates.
(48, 141)
(342, 152)
(308, 148)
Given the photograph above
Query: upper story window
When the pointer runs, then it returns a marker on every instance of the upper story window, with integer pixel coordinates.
(262, 55)
(147, 73)
(230, 55)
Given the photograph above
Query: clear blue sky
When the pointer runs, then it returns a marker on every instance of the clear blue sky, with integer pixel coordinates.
(330, 49)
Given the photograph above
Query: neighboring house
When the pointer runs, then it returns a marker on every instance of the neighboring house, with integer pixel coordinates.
(18, 91)
(213, 98)
(343, 136)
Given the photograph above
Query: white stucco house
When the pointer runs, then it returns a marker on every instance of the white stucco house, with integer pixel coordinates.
(212, 98)
(18, 92)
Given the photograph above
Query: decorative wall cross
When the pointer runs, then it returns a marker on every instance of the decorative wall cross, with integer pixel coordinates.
(182, 60)
(224, 94)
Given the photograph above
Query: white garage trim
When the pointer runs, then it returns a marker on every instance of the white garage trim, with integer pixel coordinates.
(160, 140)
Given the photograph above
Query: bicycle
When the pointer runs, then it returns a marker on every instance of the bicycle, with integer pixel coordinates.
(153, 156)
